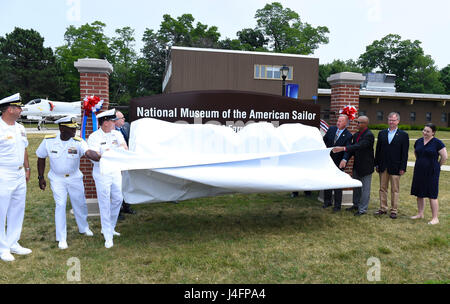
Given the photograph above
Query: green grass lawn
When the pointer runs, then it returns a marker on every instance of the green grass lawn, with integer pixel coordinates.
(257, 238)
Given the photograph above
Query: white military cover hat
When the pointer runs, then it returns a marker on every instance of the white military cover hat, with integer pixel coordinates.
(68, 121)
(108, 115)
(13, 100)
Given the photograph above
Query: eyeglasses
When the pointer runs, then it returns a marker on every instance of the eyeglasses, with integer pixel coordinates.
(360, 122)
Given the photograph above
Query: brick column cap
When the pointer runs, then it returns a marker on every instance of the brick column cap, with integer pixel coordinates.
(93, 65)
(346, 78)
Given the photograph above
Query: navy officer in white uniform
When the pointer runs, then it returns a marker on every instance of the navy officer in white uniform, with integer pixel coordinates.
(14, 175)
(64, 151)
(108, 186)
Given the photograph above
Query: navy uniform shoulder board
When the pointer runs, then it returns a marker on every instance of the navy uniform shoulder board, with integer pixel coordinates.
(77, 138)
(50, 136)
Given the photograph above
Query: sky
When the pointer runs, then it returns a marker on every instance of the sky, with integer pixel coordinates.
(353, 24)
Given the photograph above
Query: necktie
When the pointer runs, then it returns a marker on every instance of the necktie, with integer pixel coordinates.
(336, 137)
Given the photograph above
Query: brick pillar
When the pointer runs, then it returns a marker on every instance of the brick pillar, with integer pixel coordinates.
(345, 91)
(94, 80)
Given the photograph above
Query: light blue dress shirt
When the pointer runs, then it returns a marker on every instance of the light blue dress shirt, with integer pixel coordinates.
(391, 135)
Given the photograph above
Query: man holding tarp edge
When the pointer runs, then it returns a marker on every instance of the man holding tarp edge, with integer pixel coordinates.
(361, 148)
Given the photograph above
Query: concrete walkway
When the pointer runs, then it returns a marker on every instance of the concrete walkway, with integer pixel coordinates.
(443, 168)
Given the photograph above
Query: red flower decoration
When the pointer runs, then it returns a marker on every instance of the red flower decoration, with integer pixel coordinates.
(92, 104)
(350, 111)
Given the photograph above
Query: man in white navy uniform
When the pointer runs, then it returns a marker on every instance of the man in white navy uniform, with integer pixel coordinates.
(64, 151)
(109, 186)
(14, 175)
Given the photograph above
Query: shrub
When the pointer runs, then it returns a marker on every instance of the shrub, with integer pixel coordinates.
(378, 127)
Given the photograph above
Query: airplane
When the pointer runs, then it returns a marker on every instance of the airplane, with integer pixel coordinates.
(44, 110)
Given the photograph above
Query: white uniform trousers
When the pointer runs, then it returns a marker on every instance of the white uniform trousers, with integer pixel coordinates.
(61, 186)
(13, 190)
(109, 196)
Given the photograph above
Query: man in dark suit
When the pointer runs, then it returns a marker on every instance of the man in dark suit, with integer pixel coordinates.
(336, 136)
(391, 157)
(361, 148)
(123, 127)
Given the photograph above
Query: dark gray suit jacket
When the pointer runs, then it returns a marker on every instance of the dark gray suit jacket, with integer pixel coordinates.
(125, 130)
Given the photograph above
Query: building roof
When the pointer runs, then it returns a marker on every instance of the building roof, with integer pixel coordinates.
(392, 95)
(241, 52)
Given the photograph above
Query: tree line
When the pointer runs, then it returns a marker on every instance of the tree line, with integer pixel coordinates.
(26, 66)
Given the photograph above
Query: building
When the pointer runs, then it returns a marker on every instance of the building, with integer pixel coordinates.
(414, 108)
(193, 69)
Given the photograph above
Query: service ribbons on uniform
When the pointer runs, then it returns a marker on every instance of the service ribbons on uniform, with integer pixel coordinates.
(91, 105)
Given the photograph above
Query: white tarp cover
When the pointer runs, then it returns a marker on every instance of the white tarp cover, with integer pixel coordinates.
(168, 161)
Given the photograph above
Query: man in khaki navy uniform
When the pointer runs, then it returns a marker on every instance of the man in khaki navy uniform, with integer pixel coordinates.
(14, 175)
(64, 152)
(109, 186)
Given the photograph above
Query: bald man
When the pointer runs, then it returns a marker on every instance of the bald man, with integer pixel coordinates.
(361, 148)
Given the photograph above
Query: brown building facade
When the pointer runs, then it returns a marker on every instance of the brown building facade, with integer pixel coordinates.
(194, 69)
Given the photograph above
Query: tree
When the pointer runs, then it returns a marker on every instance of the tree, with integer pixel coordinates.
(123, 58)
(337, 66)
(154, 60)
(445, 78)
(286, 32)
(252, 40)
(181, 32)
(26, 66)
(86, 41)
(405, 58)
(172, 32)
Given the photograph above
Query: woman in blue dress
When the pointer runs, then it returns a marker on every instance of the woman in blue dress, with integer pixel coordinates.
(430, 155)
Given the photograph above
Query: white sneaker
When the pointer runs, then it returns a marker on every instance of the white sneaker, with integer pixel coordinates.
(109, 243)
(114, 233)
(7, 257)
(62, 245)
(17, 249)
(88, 232)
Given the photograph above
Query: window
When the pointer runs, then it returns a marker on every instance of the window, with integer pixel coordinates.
(412, 116)
(379, 115)
(428, 117)
(444, 117)
(362, 113)
(270, 72)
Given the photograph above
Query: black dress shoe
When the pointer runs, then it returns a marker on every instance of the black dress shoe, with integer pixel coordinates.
(127, 209)
(359, 213)
(121, 217)
(380, 212)
(336, 209)
(294, 194)
(352, 208)
(326, 205)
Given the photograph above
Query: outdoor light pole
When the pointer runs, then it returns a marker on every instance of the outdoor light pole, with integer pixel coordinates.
(284, 73)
